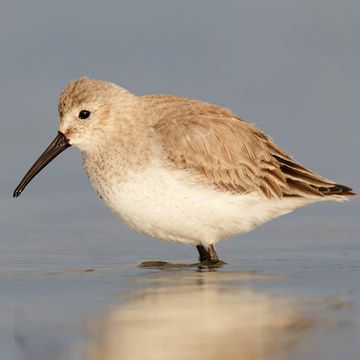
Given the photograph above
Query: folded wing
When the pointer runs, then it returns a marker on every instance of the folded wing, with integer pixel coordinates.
(233, 155)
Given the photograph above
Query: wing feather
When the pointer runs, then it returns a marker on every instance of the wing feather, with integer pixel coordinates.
(233, 155)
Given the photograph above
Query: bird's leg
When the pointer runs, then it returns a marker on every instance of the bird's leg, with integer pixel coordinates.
(208, 256)
(204, 254)
(213, 255)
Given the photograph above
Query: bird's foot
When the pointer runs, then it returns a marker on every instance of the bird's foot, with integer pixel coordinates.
(211, 264)
(164, 265)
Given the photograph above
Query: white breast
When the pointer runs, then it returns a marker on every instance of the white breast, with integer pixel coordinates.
(166, 204)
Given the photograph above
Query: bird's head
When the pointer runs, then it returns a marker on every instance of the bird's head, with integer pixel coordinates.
(88, 111)
(89, 108)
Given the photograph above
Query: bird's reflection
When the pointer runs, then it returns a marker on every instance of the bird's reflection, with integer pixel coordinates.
(211, 315)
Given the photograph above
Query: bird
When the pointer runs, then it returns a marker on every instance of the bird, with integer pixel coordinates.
(180, 169)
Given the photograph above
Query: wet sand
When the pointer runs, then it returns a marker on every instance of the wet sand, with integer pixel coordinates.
(291, 290)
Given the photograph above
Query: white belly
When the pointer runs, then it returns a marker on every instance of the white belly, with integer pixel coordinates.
(166, 205)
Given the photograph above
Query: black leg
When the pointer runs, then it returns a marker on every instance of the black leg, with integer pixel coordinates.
(213, 255)
(208, 256)
(204, 255)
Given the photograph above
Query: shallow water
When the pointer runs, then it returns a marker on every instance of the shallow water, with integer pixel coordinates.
(72, 289)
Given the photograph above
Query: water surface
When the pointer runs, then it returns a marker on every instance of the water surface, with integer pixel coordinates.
(71, 290)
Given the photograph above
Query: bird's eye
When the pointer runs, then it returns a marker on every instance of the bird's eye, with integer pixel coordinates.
(84, 114)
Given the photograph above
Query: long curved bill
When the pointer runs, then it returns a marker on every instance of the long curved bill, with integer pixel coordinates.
(58, 145)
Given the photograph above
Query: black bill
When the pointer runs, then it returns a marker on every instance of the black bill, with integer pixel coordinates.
(58, 145)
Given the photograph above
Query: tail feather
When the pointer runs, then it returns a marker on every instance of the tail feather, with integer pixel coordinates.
(304, 182)
(338, 189)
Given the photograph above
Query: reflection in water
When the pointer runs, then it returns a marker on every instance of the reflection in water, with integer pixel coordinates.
(197, 316)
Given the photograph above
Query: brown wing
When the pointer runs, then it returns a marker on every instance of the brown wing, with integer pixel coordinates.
(232, 154)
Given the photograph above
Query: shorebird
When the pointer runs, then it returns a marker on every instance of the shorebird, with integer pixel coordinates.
(180, 169)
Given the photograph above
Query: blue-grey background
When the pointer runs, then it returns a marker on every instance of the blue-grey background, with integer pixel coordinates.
(291, 67)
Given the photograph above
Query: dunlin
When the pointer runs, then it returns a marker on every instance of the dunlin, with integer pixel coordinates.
(179, 169)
